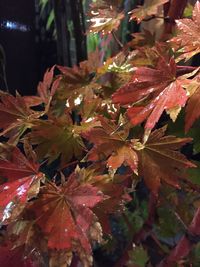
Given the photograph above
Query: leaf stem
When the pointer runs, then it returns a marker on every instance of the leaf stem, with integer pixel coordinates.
(117, 40)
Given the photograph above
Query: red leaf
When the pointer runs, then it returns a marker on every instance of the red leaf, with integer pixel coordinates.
(71, 203)
(188, 40)
(111, 146)
(158, 88)
(23, 182)
(14, 258)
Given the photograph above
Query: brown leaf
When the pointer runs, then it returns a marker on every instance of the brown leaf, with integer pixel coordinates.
(149, 8)
(105, 16)
(15, 116)
(160, 160)
(111, 146)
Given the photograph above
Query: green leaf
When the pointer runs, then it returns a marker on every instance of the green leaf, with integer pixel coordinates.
(50, 19)
(138, 257)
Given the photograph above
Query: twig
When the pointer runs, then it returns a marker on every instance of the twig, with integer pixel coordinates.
(154, 17)
(117, 40)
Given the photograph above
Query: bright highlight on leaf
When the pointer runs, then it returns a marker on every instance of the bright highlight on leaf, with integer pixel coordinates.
(105, 16)
(22, 184)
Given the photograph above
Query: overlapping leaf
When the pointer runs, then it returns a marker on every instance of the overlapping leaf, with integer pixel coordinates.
(105, 16)
(151, 91)
(111, 146)
(56, 137)
(47, 88)
(160, 160)
(16, 116)
(22, 183)
(78, 83)
(65, 216)
(187, 41)
(114, 187)
(149, 8)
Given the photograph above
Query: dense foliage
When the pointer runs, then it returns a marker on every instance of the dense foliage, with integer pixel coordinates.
(93, 165)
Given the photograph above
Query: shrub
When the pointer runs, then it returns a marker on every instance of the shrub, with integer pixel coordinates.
(95, 152)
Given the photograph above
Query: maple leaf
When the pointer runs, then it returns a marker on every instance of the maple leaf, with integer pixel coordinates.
(113, 186)
(152, 91)
(148, 9)
(160, 160)
(142, 39)
(15, 116)
(192, 108)
(22, 183)
(71, 203)
(188, 35)
(105, 16)
(78, 83)
(47, 88)
(111, 146)
(56, 137)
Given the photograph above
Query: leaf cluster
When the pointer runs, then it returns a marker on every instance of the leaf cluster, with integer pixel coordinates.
(76, 155)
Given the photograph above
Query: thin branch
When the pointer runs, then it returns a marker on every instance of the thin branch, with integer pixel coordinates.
(117, 40)
(154, 17)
